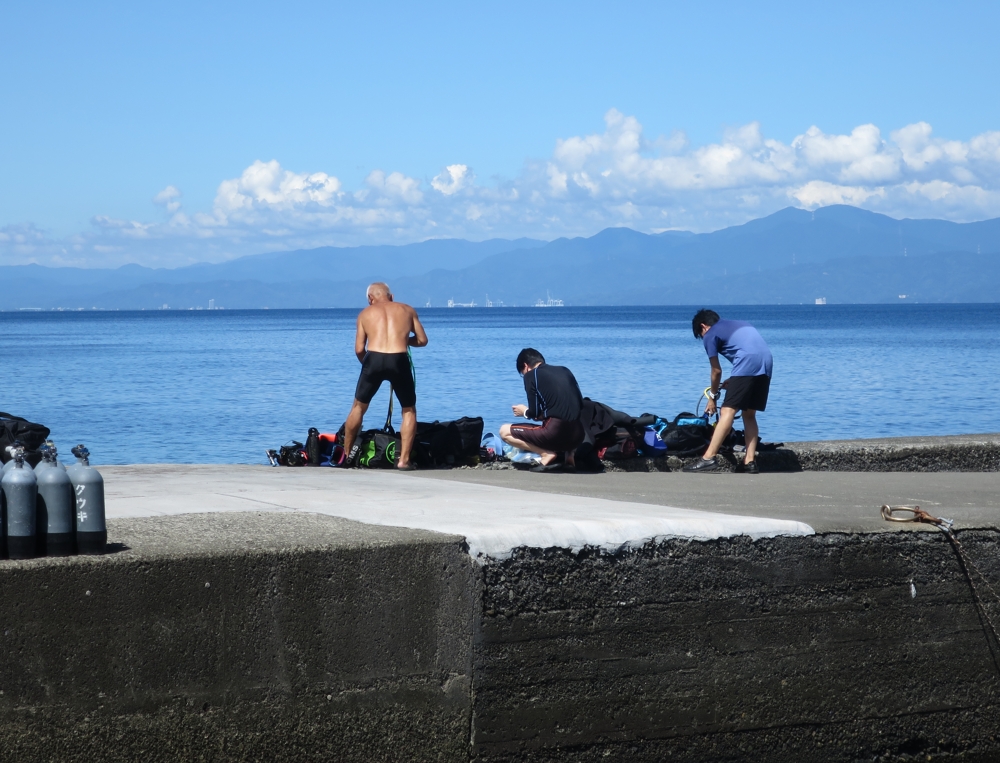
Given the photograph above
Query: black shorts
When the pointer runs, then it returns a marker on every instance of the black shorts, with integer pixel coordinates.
(747, 393)
(393, 367)
(554, 435)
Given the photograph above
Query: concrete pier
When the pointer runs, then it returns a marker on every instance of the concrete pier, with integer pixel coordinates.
(249, 613)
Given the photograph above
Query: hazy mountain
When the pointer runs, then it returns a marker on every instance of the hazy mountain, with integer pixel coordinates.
(38, 286)
(356, 263)
(841, 253)
(780, 258)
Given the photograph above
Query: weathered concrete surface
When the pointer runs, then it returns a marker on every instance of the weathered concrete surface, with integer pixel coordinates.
(825, 648)
(826, 501)
(492, 519)
(963, 453)
(320, 638)
(240, 637)
(958, 453)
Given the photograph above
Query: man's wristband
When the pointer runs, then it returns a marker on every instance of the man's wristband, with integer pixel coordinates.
(525, 414)
(713, 396)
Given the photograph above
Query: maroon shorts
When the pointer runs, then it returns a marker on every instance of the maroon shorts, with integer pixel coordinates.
(554, 435)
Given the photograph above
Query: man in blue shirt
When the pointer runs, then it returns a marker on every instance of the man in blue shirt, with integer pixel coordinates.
(746, 388)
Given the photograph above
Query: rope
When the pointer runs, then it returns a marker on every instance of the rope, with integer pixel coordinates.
(916, 514)
(705, 396)
(387, 427)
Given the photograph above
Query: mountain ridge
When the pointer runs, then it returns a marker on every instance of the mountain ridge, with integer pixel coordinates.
(778, 258)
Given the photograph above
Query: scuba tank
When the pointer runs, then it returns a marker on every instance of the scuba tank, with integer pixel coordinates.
(312, 447)
(88, 487)
(45, 463)
(55, 508)
(20, 492)
(10, 452)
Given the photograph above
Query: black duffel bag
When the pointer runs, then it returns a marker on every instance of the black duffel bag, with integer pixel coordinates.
(448, 443)
(377, 449)
(29, 434)
(437, 443)
(684, 440)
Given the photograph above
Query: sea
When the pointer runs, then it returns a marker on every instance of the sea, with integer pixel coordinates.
(223, 386)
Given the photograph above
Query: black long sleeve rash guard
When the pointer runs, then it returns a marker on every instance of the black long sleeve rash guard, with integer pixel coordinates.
(555, 394)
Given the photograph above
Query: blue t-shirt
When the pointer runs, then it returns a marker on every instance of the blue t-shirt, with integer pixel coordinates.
(742, 345)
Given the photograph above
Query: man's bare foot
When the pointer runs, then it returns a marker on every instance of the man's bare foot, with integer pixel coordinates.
(406, 467)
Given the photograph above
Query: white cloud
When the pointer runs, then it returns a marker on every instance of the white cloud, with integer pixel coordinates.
(452, 180)
(168, 198)
(265, 185)
(395, 187)
(617, 176)
(819, 193)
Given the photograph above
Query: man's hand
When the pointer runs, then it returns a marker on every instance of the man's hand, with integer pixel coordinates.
(711, 407)
(519, 410)
(724, 385)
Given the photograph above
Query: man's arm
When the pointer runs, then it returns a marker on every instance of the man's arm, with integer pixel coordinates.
(525, 411)
(419, 338)
(716, 383)
(360, 339)
(532, 395)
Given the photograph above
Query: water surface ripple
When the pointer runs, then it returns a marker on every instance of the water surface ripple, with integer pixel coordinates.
(221, 386)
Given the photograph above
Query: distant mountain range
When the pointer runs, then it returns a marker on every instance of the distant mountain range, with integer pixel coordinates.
(839, 253)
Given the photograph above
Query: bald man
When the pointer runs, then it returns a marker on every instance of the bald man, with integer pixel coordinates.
(386, 329)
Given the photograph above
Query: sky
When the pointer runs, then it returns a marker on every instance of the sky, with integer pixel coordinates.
(166, 134)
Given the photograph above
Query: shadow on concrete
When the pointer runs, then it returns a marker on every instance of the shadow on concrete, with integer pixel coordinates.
(779, 460)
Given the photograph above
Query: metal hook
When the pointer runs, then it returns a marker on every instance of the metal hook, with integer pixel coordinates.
(889, 513)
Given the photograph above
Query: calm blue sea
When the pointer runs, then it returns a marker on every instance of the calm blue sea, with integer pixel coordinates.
(222, 386)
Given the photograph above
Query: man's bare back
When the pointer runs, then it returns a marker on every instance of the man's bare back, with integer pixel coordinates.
(386, 326)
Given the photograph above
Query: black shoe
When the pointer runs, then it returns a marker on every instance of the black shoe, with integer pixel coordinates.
(555, 466)
(751, 468)
(702, 465)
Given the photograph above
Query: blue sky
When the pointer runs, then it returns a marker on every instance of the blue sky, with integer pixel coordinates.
(259, 126)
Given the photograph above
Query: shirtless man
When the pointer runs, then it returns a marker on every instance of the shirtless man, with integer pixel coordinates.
(385, 330)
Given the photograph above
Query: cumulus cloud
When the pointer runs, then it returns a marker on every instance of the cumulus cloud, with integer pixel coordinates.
(454, 178)
(819, 193)
(617, 176)
(168, 198)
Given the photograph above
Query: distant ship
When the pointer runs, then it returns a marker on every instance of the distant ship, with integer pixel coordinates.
(453, 303)
(549, 302)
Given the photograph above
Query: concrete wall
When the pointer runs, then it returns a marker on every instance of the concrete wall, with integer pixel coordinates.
(804, 649)
(299, 637)
(240, 637)
(959, 453)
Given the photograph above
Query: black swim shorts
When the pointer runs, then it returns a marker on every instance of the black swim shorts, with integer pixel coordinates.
(554, 435)
(747, 393)
(393, 367)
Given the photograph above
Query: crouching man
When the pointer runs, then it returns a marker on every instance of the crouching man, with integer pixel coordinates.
(554, 399)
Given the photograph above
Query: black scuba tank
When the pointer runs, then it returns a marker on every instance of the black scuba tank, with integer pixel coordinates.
(313, 447)
(20, 493)
(56, 507)
(88, 488)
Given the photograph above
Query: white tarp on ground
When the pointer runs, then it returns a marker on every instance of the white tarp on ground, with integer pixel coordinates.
(493, 520)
